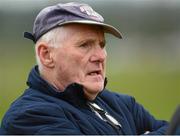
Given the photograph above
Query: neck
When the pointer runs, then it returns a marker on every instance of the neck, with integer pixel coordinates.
(47, 75)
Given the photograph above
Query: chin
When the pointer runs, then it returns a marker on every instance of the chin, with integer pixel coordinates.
(97, 87)
(93, 89)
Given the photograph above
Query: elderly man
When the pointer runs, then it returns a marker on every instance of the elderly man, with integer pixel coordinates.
(66, 93)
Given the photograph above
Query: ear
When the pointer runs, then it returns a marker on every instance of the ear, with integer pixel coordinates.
(45, 54)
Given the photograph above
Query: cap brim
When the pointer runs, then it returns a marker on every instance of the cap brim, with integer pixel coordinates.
(107, 28)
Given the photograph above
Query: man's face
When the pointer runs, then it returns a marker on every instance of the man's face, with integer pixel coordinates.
(81, 58)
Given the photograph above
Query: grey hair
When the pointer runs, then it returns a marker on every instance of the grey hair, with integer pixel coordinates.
(52, 38)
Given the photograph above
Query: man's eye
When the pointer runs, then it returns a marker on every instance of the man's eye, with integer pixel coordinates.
(85, 45)
(102, 46)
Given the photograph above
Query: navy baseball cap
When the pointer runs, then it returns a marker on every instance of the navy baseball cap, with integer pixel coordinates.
(67, 13)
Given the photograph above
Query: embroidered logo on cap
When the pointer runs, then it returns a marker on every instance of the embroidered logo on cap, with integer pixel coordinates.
(91, 13)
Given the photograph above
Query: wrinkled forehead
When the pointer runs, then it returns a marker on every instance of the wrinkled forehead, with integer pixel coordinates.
(72, 33)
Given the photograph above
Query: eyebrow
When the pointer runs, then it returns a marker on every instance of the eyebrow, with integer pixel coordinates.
(90, 41)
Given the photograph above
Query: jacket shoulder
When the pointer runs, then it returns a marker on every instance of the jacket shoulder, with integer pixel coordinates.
(118, 99)
(28, 111)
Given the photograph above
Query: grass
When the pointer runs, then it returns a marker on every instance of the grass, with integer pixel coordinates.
(157, 91)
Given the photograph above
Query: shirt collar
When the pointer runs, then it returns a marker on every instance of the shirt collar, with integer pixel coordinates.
(73, 93)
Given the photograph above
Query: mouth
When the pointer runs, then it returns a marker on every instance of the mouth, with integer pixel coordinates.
(95, 76)
(95, 73)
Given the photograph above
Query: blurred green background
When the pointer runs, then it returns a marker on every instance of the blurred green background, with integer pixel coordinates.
(144, 64)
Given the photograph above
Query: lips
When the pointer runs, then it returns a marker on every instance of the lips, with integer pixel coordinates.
(96, 75)
(95, 72)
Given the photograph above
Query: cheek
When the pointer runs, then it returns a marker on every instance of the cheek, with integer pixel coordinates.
(104, 67)
(70, 67)
(79, 67)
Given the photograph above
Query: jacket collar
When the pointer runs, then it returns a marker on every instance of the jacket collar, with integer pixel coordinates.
(73, 93)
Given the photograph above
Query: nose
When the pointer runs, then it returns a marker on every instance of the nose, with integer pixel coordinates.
(98, 54)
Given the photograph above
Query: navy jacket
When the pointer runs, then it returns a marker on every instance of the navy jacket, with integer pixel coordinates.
(44, 110)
